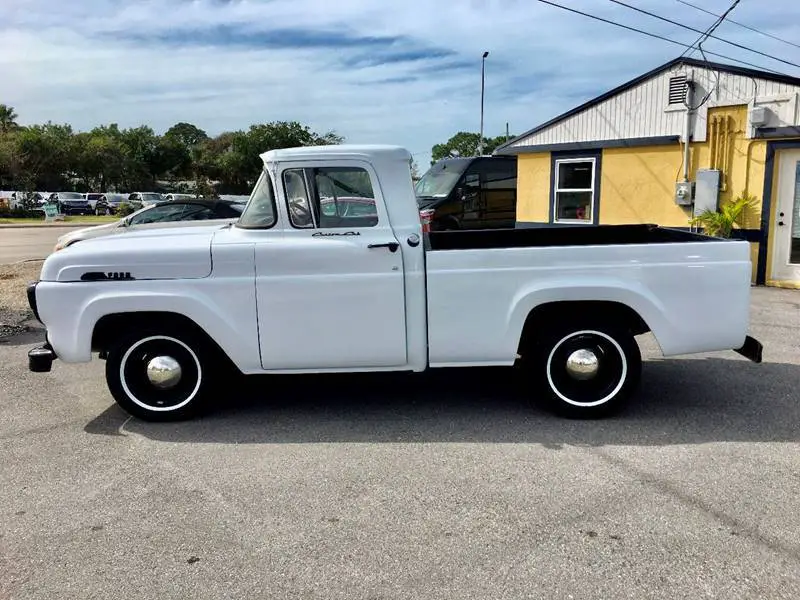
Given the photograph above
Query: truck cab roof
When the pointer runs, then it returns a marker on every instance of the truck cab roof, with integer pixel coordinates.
(337, 152)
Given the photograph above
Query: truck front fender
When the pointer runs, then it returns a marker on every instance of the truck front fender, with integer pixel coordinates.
(224, 309)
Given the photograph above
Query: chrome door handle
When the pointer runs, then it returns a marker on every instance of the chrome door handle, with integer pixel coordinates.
(392, 246)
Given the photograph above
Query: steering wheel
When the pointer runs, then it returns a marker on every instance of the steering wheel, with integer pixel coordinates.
(300, 210)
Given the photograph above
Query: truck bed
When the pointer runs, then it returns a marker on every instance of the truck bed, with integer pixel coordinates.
(691, 290)
(578, 235)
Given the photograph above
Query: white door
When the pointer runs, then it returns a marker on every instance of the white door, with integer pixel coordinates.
(786, 245)
(331, 294)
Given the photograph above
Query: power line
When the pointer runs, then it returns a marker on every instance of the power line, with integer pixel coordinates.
(706, 34)
(653, 35)
(713, 14)
(699, 41)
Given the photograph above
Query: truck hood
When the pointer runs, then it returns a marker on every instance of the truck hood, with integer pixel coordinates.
(168, 253)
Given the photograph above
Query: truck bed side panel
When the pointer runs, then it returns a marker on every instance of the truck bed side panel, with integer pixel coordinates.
(693, 295)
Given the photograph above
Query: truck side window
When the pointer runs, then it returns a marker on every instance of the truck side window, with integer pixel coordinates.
(260, 210)
(294, 184)
(344, 198)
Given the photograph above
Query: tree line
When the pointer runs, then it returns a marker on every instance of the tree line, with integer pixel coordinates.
(54, 157)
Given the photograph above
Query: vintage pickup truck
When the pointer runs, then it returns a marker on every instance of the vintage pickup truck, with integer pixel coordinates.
(329, 270)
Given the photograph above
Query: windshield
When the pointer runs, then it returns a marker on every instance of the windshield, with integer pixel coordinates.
(151, 197)
(70, 196)
(260, 210)
(440, 179)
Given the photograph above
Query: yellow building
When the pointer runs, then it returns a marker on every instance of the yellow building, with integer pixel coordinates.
(622, 158)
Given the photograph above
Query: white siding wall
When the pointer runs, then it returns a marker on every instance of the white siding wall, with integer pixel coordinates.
(642, 111)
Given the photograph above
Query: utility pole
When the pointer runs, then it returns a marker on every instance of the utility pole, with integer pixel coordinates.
(483, 71)
(507, 134)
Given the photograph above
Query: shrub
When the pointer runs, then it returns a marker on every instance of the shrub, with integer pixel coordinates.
(125, 209)
(722, 222)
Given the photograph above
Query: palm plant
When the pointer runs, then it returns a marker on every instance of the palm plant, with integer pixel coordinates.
(8, 118)
(722, 222)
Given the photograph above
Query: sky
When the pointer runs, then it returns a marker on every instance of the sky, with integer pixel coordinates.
(404, 72)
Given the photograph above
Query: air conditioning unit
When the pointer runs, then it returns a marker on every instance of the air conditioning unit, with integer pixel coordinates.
(759, 116)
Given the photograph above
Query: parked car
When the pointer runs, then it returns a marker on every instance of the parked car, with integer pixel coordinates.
(169, 309)
(146, 198)
(235, 198)
(469, 193)
(178, 213)
(71, 203)
(109, 203)
(170, 197)
(34, 200)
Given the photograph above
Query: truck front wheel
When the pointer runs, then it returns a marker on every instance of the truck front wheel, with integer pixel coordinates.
(587, 370)
(158, 375)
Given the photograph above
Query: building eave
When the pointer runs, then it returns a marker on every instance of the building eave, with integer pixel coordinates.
(692, 62)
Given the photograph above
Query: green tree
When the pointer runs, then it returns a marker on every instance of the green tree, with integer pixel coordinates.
(186, 134)
(8, 118)
(465, 144)
(45, 155)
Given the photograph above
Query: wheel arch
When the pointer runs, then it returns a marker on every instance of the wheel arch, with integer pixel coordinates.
(633, 308)
(106, 316)
(603, 310)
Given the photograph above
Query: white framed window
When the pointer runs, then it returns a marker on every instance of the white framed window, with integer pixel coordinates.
(573, 193)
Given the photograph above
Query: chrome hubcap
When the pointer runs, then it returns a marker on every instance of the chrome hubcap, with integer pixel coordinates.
(164, 372)
(582, 364)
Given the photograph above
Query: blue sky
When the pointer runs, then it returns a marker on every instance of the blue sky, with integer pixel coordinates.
(390, 71)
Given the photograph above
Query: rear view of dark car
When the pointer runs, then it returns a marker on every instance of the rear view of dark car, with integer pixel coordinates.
(108, 204)
(71, 203)
(469, 193)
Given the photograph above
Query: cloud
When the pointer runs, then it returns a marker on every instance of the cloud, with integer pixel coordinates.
(405, 72)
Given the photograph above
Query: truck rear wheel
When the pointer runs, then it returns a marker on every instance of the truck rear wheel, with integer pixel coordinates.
(159, 375)
(587, 370)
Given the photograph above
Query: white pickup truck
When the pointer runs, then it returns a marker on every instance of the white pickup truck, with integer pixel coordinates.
(329, 270)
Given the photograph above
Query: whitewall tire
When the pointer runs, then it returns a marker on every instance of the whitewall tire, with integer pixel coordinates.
(587, 370)
(159, 375)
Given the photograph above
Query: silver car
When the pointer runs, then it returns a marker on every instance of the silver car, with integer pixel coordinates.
(180, 213)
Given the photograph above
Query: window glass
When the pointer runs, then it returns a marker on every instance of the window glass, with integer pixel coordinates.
(575, 175)
(196, 212)
(158, 214)
(440, 179)
(345, 198)
(499, 174)
(574, 190)
(294, 184)
(260, 210)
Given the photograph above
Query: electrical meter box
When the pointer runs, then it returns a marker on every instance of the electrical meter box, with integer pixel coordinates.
(684, 193)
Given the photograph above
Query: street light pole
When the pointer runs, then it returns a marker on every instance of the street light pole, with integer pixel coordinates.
(483, 71)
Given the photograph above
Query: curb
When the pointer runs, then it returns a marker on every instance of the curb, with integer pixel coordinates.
(46, 225)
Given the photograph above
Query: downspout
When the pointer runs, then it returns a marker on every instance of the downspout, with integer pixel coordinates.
(688, 130)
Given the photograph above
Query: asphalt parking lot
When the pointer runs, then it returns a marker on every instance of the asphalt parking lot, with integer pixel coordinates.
(449, 485)
(27, 243)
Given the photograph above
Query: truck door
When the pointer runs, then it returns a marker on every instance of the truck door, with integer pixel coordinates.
(331, 295)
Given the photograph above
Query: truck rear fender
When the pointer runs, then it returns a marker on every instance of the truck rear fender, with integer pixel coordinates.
(628, 296)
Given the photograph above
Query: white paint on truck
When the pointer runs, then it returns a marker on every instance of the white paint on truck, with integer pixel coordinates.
(309, 292)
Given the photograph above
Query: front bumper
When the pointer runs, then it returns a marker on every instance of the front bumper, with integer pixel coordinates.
(32, 299)
(40, 358)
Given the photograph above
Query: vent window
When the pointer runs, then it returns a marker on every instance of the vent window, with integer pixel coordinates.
(677, 89)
